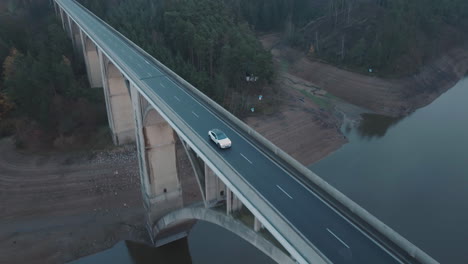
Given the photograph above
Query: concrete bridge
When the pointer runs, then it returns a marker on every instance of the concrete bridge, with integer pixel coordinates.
(167, 117)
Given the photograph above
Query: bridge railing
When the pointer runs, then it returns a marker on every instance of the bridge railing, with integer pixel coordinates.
(331, 194)
(291, 233)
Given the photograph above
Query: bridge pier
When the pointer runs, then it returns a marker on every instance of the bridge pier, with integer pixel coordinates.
(76, 41)
(233, 203)
(118, 102)
(70, 32)
(63, 19)
(215, 189)
(160, 184)
(257, 225)
(91, 57)
(55, 8)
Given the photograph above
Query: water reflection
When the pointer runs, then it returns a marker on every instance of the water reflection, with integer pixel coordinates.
(206, 244)
(375, 126)
(127, 252)
(412, 174)
(177, 252)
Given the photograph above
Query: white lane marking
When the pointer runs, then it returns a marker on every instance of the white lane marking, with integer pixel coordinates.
(177, 98)
(274, 162)
(246, 158)
(279, 187)
(195, 114)
(339, 239)
(147, 62)
(162, 84)
(291, 176)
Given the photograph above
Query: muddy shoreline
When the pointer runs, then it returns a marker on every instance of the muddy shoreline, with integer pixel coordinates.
(392, 97)
(299, 134)
(59, 207)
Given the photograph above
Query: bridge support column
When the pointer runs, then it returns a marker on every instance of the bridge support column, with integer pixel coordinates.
(70, 31)
(160, 184)
(63, 19)
(118, 102)
(55, 8)
(76, 38)
(215, 190)
(257, 225)
(232, 203)
(66, 24)
(92, 63)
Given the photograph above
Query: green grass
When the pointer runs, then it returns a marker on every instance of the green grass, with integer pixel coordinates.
(320, 101)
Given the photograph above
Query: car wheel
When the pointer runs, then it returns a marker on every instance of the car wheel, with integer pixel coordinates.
(218, 145)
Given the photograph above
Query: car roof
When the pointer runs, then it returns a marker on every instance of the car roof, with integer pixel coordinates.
(217, 131)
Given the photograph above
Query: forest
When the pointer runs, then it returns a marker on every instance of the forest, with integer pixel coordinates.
(391, 38)
(44, 95)
(394, 38)
(198, 39)
(214, 45)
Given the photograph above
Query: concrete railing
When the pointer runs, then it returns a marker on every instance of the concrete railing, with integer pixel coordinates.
(374, 222)
(301, 249)
(283, 157)
(378, 225)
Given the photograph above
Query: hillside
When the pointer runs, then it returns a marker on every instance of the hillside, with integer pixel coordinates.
(392, 39)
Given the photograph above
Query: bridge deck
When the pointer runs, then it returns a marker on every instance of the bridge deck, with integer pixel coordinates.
(335, 236)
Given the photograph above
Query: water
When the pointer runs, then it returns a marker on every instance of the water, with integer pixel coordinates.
(412, 173)
(206, 244)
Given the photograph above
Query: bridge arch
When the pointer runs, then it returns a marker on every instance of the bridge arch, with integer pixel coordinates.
(197, 213)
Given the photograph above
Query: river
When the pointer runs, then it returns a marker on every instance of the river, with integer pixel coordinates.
(411, 173)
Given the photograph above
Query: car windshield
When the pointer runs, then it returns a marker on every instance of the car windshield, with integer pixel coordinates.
(221, 135)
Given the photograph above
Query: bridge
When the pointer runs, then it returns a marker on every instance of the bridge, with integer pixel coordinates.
(288, 205)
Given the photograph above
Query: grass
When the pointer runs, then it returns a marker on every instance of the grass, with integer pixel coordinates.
(322, 102)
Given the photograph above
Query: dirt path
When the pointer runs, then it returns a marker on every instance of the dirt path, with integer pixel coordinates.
(58, 207)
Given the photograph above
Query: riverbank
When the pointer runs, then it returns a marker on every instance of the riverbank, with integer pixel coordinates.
(408, 171)
(315, 96)
(392, 97)
(60, 206)
(386, 96)
(57, 207)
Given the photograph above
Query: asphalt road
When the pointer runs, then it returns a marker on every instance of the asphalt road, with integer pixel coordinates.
(331, 233)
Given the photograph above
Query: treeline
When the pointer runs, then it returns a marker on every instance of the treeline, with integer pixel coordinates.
(201, 40)
(395, 37)
(44, 94)
(392, 37)
(274, 15)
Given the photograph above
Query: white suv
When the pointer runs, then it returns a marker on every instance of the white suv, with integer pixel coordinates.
(219, 138)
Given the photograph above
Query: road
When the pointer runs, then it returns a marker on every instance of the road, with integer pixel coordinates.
(329, 231)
